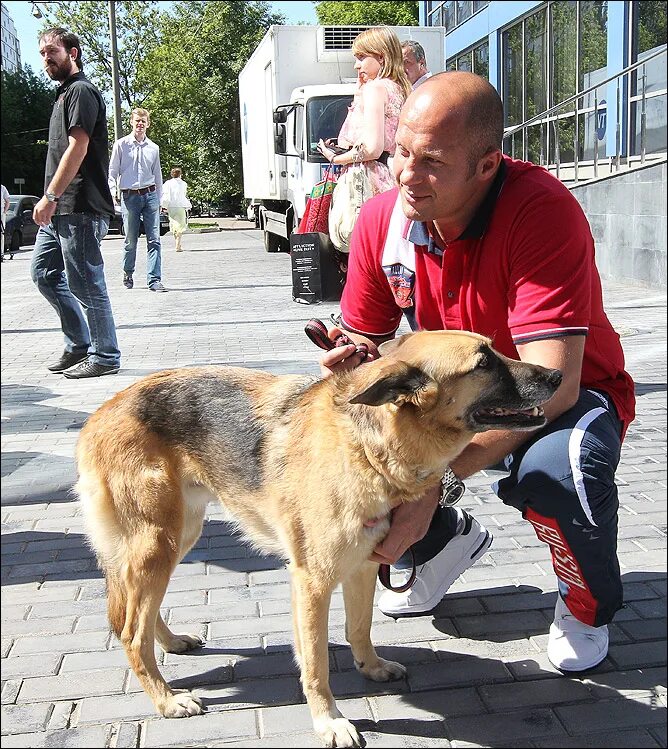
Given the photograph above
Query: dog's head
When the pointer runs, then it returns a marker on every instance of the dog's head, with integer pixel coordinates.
(458, 379)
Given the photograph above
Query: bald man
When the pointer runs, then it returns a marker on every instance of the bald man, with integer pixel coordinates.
(474, 240)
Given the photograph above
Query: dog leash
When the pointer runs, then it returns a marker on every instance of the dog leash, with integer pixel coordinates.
(316, 330)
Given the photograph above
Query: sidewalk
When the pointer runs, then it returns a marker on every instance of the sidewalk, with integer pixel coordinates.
(478, 675)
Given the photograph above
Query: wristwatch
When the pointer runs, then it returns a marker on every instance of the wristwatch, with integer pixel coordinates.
(452, 489)
(51, 197)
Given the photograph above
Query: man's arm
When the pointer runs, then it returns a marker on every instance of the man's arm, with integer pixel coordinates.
(411, 521)
(157, 173)
(67, 169)
(115, 169)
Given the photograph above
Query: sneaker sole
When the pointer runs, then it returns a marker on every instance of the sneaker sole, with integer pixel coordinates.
(479, 550)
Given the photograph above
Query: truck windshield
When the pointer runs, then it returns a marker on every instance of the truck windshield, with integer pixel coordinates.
(324, 117)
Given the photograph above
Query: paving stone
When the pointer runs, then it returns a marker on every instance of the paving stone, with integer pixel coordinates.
(477, 666)
(22, 718)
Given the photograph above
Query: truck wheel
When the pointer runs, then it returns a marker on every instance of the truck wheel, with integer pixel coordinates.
(272, 242)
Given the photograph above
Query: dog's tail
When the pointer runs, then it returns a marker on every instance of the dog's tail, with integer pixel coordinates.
(106, 539)
(116, 602)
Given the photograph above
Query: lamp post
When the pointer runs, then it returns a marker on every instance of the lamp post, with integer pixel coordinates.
(114, 71)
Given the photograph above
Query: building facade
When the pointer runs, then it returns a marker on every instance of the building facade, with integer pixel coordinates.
(539, 54)
(10, 51)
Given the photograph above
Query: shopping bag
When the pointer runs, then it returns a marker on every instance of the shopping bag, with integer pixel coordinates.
(316, 213)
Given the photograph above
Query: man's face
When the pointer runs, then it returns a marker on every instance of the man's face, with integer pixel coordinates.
(414, 69)
(432, 165)
(58, 62)
(139, 126)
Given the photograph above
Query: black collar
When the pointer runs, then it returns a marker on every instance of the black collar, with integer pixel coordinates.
(419, 232)
(69, 81)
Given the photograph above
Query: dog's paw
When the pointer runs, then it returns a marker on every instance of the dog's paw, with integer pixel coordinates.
(382, 670)
(183, 643)
(182, 705)
(337, 732)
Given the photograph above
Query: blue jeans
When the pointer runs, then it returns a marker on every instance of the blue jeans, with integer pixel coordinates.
(68, 270)
(134, 208)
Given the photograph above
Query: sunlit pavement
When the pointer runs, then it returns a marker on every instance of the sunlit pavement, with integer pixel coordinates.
(478, 674)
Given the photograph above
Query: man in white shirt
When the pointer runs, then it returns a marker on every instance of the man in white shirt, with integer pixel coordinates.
(134, 170)
(415, 62)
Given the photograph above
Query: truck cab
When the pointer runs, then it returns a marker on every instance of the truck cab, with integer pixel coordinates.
(314, 112)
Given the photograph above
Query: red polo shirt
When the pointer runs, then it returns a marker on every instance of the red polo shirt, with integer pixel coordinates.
(522, 271)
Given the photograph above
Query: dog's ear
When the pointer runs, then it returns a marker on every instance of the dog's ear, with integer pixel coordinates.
(389, 346)
(398, 383)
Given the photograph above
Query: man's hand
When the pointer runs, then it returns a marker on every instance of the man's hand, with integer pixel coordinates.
(410, 522)
(43, 212)
(343, 358)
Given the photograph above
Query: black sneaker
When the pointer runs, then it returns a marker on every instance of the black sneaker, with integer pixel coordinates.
(67, 360)
(127, 280)
(88, 368)
(157, 286)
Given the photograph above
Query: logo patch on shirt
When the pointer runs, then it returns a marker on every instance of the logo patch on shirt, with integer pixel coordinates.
(402, 284)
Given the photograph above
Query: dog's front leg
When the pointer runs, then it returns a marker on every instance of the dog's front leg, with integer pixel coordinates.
(358, 592)
(312, 597)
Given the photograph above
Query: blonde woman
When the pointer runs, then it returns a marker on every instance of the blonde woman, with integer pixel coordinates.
(367, 135)
(175, 202)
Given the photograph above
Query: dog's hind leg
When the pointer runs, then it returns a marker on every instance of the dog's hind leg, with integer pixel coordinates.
(358, 592)
(312, 596)
(151, 558)
(192, 530)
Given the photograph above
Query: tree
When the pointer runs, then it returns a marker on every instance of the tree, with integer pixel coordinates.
(136, 32)
(192, 82)
(27, 101)
(352, 13)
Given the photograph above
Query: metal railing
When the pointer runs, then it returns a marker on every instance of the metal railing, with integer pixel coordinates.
(628, 143)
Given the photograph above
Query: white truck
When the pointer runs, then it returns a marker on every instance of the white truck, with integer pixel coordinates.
(295, 89)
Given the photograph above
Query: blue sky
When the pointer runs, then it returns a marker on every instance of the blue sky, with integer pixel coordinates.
(27, 27)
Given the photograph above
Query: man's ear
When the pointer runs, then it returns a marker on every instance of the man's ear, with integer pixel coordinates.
(398, 383)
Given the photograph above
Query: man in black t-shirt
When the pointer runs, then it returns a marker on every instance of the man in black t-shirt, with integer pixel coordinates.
(74, 215)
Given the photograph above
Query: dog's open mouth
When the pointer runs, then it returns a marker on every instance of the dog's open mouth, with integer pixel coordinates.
(530, 418)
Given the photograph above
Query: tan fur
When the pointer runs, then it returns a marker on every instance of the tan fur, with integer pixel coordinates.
(332, 454)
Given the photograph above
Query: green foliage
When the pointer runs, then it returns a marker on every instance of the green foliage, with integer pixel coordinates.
(26, 104)
(191, 80)
(352, 13)
(136, 34)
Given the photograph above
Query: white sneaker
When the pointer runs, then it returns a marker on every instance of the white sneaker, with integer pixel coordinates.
(574, 646)
(437, 575)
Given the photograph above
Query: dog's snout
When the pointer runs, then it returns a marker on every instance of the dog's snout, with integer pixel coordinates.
(555, 377)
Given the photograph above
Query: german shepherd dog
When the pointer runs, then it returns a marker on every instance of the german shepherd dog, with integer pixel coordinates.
(301, 463)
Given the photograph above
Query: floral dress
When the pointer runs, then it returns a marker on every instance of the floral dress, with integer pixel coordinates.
(379, 175)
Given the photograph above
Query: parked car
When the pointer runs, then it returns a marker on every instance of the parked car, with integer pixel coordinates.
(20, 229)
(116, 224)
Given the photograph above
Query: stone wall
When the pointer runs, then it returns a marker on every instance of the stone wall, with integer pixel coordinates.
(627, 214)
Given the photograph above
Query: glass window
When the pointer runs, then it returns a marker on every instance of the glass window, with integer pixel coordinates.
(535, 40)
(563, 24)
(465, 62)
(449, 15)
(649, 33)
(324, 117)
(479, 5)
(451, 64)
(512, 75)
(481, 60)
(464, 11)
(593, 44)
(437, 16)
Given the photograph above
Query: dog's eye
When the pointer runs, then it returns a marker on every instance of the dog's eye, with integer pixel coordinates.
(485, 362)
